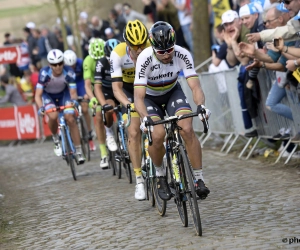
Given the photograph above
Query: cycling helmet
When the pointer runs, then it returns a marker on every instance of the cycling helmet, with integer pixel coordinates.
(110, 45)
(96, 48)
(135, 33)
(162, 36)
(55, 56)
(70, 57)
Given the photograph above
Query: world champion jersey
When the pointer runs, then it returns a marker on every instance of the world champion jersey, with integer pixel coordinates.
(102, 72)
(122, 67)
(160, 78)
(54, 85)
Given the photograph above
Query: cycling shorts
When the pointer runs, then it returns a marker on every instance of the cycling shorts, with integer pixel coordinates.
(175, 103)
(130, 98)
(60, 99)
(80, 88)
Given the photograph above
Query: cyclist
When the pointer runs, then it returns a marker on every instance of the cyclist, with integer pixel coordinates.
(122, 61)
(103, 85)
(156, 84)
(70, 59)
(56, 87)
(96, 51)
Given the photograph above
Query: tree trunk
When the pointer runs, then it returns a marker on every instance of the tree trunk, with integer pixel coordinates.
(201, 31)
(62, 23)
(76, 34)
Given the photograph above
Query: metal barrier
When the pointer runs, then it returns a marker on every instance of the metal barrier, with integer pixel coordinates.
(222, 98)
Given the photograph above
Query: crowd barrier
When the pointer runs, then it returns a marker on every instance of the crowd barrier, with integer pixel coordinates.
(222, 98)
(22, 123)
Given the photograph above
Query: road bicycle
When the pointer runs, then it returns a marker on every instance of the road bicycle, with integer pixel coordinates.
(68, 148)
(83, 130)
(181, 172)
(122, 155)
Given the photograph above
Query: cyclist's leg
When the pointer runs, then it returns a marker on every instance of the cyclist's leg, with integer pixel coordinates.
(193, 148)
(69, 114)
(110, 140)
(48, 103)
(100, 132)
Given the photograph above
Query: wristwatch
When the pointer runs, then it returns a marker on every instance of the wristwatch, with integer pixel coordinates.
(263, 65)
(296, 63)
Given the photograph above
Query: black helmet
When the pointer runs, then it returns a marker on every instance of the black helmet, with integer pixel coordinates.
(162, 36)
(110, 45)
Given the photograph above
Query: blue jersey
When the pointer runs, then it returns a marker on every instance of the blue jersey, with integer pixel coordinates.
(54, 85)
(79, 71)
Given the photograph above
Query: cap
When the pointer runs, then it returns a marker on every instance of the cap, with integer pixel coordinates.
(281, 8)
(4, 78)
(30, 25)
(258, 6)
(248, 9)
(229, 16)
(83, 15)
(108, 31)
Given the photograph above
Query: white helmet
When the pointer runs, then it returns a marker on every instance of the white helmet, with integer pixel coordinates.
(70, 57)
(55, 56)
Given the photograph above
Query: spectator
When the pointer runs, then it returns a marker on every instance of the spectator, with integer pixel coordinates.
(109, 33)
(83, 17)
(117, 22)
(12, 95)
(7, 39)
(167, 12)
(150, 11)
(131, 15)
(32, 44)
(70, 37)
(98, 27)
(185, 19)
(85, 34)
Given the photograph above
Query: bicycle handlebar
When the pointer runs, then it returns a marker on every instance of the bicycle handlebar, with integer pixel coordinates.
(176, 118)
(59, 108)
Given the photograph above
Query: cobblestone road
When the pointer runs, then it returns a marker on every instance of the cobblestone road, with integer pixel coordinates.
(251, 206)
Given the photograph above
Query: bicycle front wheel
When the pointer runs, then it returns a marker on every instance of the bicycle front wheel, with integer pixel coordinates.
(69, 153)
(161, 205)
(112, 162)
(189, 187)
(85, 139)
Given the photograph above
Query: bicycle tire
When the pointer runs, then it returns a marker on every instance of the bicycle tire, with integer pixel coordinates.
(190, 189)
(69, 154)
(179, 198)
(126, 166)
(112, 162)
(160, 204)
(120, 153)
(85, 139)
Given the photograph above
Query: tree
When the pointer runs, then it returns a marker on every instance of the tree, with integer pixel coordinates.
(201, 31)
(62, 23)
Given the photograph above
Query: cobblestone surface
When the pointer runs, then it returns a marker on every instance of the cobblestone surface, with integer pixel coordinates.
(251, 206)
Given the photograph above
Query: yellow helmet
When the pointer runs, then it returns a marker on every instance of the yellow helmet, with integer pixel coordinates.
(135, 32)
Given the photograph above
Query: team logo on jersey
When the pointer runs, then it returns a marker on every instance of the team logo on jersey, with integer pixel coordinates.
(156, 66)
(99, 66)
(160, 76)
(185, 59)
(142, 72)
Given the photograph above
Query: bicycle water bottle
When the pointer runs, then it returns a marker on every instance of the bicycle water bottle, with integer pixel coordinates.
(175, 168)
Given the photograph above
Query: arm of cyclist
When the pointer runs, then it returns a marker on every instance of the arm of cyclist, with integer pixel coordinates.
(119, 93)
(98, 93)
(38, 101)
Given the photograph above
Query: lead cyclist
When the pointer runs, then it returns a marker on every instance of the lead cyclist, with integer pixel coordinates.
(156, 84)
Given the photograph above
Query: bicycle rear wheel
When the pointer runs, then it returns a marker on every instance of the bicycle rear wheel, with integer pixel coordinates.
(112, 162)
(190, 189)
(126, 166)
(179, 196)
(85, 139)
(69, 153)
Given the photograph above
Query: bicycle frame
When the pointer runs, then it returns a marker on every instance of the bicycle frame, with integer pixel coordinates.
(62, 123)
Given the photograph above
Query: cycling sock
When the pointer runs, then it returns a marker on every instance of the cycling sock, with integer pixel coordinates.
(109, 131)
(55, 138)
(198, 174)
(78, 149)
(103, 150)
(160, 170)
(137, 171)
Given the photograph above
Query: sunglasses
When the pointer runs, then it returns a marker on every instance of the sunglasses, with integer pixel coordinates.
(162, 52)
(136, 47)
(269, 21)
(56, 64)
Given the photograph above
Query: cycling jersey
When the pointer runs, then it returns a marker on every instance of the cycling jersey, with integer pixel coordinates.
(89, 65)
(160, 78)
(79, 77)
(55, 85)
(122, 67)
(102, 72)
